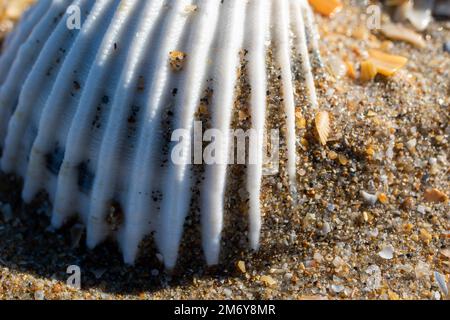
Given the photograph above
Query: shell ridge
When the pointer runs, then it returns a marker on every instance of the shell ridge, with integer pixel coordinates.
(103, 190)
(176, 182)
(19, 36)
(85, 140)
(26, 56)
(283, 57)
(145, 164)
(34, 94)
(64, 100)
(312, 34)
(225, 79)
(302, 45)
(259, 23)
(110, 150)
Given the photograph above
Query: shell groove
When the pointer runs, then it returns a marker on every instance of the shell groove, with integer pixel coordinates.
(83, 112)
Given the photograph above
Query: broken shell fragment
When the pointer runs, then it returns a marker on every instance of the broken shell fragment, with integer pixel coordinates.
(399, 32)
(84, 111)
(435, 195)
(368, 198)
(419, 14)
(368, 70)
(440, 280)
(386, 64)
(387, 252)
(327, 7)
(323, 126)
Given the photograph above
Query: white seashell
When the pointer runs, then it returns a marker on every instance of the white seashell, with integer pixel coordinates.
(337, 288)
(369, 198)
(443, 286)
(387, 252)
(399, 32)
(440, 279)
(418, 12)
(81, 110)
(326, 229)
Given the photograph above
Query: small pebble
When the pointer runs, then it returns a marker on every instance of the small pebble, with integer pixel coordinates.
(421, 209)
(7, 212)
(422, 270)
(227, 292)
(39, 295)
(368, 198)
(318, 257)
(268, 281)
(159, 257)
(331, 207)
(447, 46)
(155, 272)
(374, 280)
(337, 288)
(326, 228)
(241, 266)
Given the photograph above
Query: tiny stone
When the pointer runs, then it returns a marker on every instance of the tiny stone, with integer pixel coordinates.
(155, 272)
(407, 203)
(7, 212)
(241, 266)
(227, 292)
(368, 198)
(422, 270)
(374, 280)
(447, 46)
(326, 228)
(436, 295)
(337, 288)
(411, 144)
(159, 257)
(373, 233)
(268, 281)
(421, 209)
(39, 295)
(318, 257)
(338, 262)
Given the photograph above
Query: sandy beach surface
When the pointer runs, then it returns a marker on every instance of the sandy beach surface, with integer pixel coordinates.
(365, 226)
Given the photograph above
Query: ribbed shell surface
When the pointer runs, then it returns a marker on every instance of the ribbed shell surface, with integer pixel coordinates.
(83, 111)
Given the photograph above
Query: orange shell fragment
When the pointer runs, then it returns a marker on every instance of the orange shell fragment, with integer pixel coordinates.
(435, 195)
(386, 64)
(368, 70)
(326, 7)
